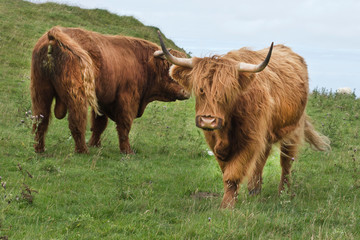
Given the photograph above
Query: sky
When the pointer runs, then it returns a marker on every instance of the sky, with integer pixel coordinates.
(325, 32)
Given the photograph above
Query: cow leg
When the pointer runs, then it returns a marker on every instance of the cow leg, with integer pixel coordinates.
(98, 125)
(123, 129)
(42, 94)
(235, 171)
(288, 154)
(230, 194)
(41, 117)
(255, 182)
(77, 124)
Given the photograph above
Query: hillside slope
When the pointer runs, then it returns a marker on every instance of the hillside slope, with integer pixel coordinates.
(23, 23)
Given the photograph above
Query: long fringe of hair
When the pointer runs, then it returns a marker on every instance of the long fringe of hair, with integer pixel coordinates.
(55, 35)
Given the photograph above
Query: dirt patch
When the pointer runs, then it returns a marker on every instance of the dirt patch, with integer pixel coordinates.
(204, 195)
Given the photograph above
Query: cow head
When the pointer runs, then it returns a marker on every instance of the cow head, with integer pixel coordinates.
(166, 88)
(216, 83)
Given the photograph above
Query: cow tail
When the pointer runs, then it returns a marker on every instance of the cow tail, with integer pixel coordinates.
(315, 139)
(57, 37)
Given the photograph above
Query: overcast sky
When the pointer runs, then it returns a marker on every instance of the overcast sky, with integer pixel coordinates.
(325, 32)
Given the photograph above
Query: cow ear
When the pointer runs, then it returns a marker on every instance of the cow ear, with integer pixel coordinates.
(182, 75)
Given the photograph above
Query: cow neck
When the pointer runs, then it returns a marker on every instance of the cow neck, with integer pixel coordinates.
(146, 96)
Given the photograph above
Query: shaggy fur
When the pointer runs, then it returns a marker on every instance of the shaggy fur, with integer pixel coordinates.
(256, 109)
(117, 75)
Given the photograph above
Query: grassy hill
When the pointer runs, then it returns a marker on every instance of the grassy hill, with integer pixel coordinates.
(171, 188)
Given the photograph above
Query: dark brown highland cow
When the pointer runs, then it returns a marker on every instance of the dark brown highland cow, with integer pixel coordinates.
(245, 108)
(117, 75)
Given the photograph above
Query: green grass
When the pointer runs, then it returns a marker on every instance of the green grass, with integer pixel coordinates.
(158, 193)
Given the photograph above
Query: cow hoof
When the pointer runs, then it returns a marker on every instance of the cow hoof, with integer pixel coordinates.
(98, 144)
(41, 150)
(131, 152)
(81, 150)
(228, 204)
(255, 192)
(93, 142)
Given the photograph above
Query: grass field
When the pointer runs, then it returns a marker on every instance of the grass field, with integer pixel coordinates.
(171, 188)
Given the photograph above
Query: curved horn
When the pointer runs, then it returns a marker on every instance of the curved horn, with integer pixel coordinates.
(160, 54)
(253, 68)
(183, 62)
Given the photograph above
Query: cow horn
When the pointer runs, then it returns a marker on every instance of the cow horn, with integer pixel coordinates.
(253, 68)
(160, 54)
(183, 62)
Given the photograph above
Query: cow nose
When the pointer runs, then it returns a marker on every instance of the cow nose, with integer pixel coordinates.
(208, 122)
(185, 93)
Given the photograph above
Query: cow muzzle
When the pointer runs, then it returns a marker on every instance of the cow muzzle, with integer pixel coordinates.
(183, 95)
(208, 123)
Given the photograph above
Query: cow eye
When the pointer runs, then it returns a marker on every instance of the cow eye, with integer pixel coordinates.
(201, 91)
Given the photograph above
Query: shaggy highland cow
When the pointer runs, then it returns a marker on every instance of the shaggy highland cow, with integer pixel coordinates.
(117, 75)
(245, 107)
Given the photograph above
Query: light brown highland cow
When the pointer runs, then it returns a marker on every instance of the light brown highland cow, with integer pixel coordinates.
(245, 107)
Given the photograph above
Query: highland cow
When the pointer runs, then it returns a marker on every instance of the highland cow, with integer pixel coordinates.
(245, 104)
(117, 75)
